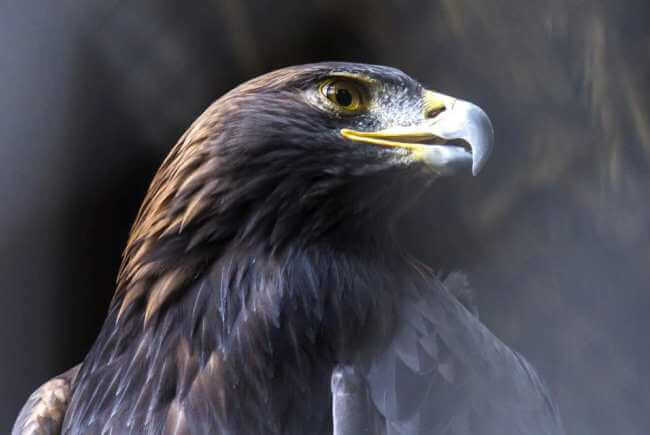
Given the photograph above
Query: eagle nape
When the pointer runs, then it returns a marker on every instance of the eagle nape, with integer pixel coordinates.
(262, 290)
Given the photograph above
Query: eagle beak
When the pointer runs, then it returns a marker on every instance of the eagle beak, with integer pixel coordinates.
(454, 135)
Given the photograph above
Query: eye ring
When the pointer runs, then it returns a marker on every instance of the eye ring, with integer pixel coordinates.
(346, 95)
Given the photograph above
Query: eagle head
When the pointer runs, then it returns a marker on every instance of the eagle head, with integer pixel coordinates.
(328, 151)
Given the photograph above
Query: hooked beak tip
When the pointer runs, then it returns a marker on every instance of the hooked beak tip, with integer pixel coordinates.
(465, 121)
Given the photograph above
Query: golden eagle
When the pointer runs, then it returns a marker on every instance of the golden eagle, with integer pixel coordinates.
(262, 290)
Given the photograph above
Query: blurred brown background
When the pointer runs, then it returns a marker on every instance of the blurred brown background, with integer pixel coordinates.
(554, 233)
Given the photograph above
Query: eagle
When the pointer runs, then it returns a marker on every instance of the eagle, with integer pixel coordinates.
(263, 289)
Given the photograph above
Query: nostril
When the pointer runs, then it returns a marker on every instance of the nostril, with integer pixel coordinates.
(432, 113)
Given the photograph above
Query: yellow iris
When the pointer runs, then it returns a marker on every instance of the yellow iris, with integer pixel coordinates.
(344, 94)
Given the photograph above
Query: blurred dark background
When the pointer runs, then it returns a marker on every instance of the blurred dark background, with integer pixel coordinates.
(554, 234)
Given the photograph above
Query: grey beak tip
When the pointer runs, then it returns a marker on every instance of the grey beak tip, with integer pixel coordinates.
(480, 158)
(483, 142)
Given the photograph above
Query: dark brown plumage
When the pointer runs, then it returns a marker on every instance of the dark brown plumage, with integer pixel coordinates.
(262, 257)
(245, 195)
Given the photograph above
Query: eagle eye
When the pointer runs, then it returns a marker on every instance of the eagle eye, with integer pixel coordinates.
(344, 94)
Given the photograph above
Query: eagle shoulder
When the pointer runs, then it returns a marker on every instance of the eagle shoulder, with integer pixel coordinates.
(45, 409)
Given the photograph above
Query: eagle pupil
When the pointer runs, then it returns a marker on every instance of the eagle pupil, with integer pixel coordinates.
(343, 97)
